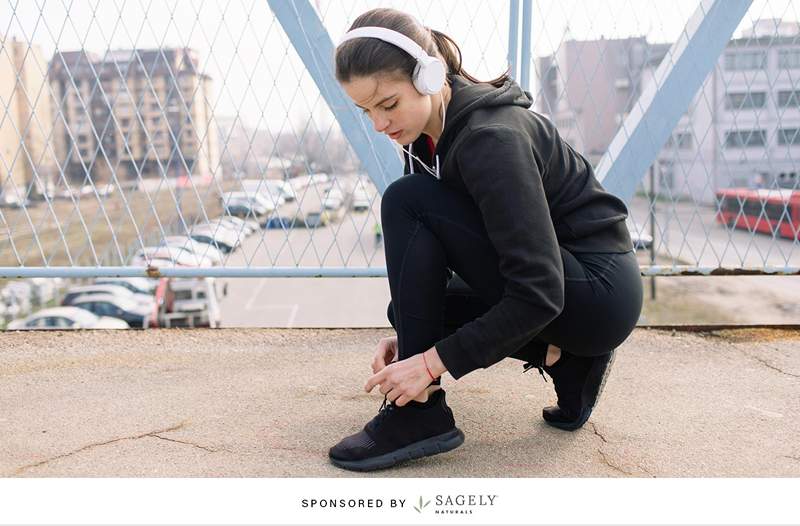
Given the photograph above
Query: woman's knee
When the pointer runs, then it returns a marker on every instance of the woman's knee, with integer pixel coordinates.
(406, 189)
(390, 314)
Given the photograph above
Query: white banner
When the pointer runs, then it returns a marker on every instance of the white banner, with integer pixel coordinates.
(399, 501)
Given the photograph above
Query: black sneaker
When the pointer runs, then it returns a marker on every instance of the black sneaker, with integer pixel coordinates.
(397, 434)
(578, 382)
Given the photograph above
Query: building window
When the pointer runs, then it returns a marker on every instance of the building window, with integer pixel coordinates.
(789, 99)
(787, 180)
(682, 140)
(790, 136)
(745, 138)
(749, 100)
(745, 60)
(789, 58)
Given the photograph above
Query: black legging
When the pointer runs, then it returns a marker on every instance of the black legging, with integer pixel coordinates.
(429, 228)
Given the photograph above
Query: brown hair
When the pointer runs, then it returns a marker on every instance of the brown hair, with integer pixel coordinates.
(362, 57)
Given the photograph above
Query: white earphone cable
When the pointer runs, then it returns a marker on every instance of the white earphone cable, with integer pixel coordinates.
(437, 173)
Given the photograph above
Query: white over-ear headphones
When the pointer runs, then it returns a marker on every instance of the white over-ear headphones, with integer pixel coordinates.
(429, 73)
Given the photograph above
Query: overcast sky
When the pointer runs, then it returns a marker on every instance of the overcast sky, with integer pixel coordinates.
(257, 74)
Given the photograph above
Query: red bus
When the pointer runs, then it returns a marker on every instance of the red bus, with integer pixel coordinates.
(761, 210)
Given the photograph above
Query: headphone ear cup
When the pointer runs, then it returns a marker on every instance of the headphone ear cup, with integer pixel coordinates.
(429, 75)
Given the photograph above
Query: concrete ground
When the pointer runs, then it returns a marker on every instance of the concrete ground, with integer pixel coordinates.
(270, 402)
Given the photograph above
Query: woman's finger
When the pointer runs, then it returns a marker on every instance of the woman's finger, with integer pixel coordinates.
(394, 394)
(377, 365)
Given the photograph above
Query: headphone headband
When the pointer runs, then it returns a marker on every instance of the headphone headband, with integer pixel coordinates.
(429, 73)
(388, 35)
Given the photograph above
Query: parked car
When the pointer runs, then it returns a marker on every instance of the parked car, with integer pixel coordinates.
(272, 189)
(246, 204)
(302, 181)
(280, 222)
(62, 318)
(360, 200)
(333, 199)
(249, 226)
(218, 237)
(10, 200)
(196, 247)
(174, 254)
(106, 289)
(317, 219)
(136, 285)
(237, 230)
(136, 314)
(195, 303)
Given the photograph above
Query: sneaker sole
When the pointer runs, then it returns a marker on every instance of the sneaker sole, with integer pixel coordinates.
(603, 379)
(424, 448)
(587, 411)
(573, 425)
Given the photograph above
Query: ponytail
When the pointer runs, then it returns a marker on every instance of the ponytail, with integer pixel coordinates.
(451, 54)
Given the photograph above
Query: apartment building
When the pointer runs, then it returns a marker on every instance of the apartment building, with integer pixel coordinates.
(588, 86)
(27, 160)
(742, 128)
(134, 113)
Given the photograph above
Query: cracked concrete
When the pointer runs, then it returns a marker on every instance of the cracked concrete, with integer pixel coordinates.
(22, 469)
(596, 432)
(768, 365)
(270, 402)
(612, 465)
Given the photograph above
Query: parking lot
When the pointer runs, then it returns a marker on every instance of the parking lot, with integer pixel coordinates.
(344, 237)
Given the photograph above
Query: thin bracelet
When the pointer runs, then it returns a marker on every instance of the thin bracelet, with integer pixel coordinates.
(426, 366)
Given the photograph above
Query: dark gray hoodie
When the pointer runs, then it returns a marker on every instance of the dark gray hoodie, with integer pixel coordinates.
(534, 193)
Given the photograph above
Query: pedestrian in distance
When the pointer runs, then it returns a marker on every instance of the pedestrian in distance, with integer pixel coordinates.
(500, 243)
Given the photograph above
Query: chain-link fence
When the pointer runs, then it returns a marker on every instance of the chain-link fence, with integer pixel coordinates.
(190, 137)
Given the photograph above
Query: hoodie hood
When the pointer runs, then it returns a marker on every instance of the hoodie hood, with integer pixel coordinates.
(467, 97)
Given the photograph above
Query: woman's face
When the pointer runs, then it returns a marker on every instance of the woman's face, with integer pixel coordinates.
(393, 105)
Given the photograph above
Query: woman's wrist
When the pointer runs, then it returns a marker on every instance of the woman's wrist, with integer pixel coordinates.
(435, 364)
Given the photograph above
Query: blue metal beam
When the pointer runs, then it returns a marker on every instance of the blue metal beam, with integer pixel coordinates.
(676, 81)
(525, 58)
(316, 49)
(513, 33)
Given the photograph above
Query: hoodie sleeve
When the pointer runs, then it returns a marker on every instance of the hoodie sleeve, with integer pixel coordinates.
(503, 177)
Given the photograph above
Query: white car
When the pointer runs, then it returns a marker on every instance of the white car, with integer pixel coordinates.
(61, 318)
(360, 200)
(217, 236)
(333, 199)
(189, 244)
(237, 224)
(112, 289)
(195, 303)
(256, 202)
(136, 285)
(239, 231)
(272, 189)
(174, 254)
(137, 315)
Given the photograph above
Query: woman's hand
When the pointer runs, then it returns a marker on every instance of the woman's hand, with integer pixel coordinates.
(386, 352)
(404, 380)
